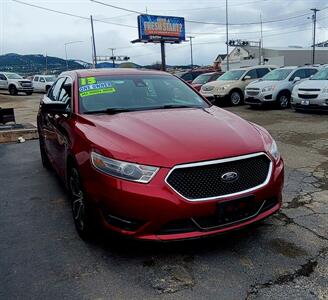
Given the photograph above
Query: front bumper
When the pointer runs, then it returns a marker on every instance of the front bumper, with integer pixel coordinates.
(215, 97)
(147, 211)
(258, 99)
(25, 89)
(318, 104)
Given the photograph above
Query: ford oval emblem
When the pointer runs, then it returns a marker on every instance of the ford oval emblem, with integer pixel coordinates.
(229, 177)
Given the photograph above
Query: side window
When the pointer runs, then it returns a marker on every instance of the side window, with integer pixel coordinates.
(187, 76)
(252, 74)
(2, 77)
(42, 79)
(261, 72)
(299, 73)
(309, 72)
(65, 94)
(36, 78)
(54, 91)
(195, 74)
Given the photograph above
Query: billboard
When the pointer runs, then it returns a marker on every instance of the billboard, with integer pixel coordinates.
(156, 28)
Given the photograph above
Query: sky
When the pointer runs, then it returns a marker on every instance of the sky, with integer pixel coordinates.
(30, 30)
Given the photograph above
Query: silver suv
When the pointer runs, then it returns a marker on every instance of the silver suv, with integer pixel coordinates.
(312, 94)
(276, 86)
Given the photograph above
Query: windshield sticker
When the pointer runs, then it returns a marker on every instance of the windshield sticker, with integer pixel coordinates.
(88, 80)
(102, 91)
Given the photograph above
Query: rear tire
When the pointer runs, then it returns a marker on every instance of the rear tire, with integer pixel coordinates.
(235, 97)
(283, 100)
(81, 211)
(12, 90)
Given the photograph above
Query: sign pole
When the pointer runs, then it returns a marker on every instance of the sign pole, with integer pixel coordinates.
(163, 55)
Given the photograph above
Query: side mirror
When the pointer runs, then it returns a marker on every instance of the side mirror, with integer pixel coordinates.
(311, 76)
(55, 107)
(247, 77)
(68, 89)
(296, 79)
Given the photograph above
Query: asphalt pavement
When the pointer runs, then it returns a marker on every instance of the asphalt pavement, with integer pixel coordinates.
(284, 257)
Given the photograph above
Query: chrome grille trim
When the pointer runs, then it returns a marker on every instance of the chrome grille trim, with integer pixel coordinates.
(218, 161)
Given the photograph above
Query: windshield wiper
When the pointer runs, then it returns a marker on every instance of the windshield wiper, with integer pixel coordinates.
(168, 106)
(111, 111)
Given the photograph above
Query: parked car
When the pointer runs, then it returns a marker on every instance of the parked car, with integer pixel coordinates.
(15, 83)
(276, 86)
(190, 75)
(200, 80)
(312, 94)
(231, 85)
(123, 141)
(42, 83)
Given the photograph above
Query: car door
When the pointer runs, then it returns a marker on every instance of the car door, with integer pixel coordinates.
(42, 84)
(253, 76)
(61, 127)
(48, 131)
(36, 86)
(3, 81)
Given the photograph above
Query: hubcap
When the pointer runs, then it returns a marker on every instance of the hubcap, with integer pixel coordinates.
(235, 98)
(283, 101)
(78, 206)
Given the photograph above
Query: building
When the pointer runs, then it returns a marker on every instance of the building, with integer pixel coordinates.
(281, 56)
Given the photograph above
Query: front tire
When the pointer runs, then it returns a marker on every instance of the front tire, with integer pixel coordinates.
(236, 97)
(80, 209)
(44, 156)
(28, 93)
(12, 90)
(283, 100)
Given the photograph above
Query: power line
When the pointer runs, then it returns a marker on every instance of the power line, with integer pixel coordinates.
(71, 15)
(209, 23)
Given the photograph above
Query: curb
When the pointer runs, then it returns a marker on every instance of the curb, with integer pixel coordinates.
(12, 135)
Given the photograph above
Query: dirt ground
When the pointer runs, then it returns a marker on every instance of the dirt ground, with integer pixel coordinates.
(285, 257)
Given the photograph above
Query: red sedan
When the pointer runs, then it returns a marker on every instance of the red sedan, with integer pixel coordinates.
(200, 80)
(143, 154)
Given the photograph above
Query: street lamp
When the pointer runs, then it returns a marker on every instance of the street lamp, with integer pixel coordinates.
(68, 43)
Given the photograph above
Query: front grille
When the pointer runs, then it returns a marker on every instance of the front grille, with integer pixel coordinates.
(252, 93)
(309, 90)
(303, 96)
(204, 180)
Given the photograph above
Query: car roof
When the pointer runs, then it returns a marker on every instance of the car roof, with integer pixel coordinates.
(116, 71)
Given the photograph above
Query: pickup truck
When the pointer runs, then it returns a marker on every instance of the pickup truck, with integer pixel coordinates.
(15, 83)
(42, 83)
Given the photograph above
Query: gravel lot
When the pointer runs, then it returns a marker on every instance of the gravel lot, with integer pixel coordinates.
(284, 257)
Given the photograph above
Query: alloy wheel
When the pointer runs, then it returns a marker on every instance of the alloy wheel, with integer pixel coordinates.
(235, 98)
(78, 201)
(283, 101)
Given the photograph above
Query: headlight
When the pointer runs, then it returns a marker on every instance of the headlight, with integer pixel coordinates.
(273, 150)
(268, 88)
(324, 90)
(222, 88)
(121, 169)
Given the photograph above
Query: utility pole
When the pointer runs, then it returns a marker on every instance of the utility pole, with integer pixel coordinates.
(314, 18)
(113, 57)
(93, 44)
(191, 54)
(46, 63)
(227, 35)
(69, 43)
(261, 43)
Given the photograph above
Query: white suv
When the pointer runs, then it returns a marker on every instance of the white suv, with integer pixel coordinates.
(42, 83)
(15, 83)
(312, 94)
(276, 87)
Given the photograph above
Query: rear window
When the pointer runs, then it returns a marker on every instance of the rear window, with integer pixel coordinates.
(135, 92)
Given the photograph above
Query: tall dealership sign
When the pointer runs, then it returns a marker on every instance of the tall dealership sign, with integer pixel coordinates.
(161, 29)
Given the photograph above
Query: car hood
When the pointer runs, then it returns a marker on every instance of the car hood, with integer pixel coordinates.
(218, 83)
(173, 136)
(313, 84)
(263, 83)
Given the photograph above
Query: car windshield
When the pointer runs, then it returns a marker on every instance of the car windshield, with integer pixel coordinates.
(135, 92)
(201, 79)
(232, 75)
(13, 76)
(50, 78)
(277, 74)
(321, 75)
